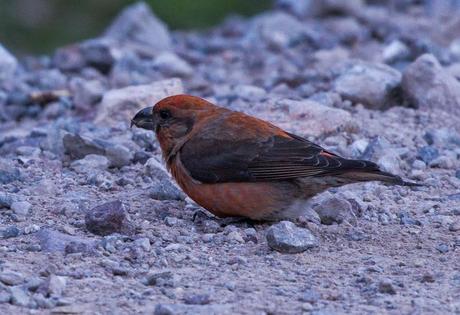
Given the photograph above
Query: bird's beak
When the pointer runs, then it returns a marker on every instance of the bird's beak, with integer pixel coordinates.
(144, 119)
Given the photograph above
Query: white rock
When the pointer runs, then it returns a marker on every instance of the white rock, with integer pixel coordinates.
(395, 51)
(369, 84)
(427, 85)
(90, 163)
(170, 64)
(122, 104)
(317, 119)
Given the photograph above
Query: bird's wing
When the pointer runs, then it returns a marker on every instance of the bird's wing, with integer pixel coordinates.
(232, 153)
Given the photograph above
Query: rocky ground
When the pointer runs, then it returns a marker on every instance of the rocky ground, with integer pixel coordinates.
(91, 223)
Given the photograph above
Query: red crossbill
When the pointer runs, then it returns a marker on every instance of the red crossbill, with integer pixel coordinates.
(233, 164)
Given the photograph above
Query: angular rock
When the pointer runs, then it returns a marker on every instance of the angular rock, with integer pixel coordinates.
(428, 154)
(138, 25)
(21, 208)
(86, 93)
(108, 218)
(100, 53)
(318, 119)
(6, 200)
(427, 85)
(8, 173)
(122, 104)
(165, 190)
(11, 278)
(8, 64)
(53, 286)
(19, 297)
(90, 163)
(373, 85)
(172, 65)
(333, 210)
(54, 241)
(286, 237)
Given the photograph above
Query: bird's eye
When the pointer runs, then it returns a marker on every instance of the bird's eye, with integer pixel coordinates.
(165, 114)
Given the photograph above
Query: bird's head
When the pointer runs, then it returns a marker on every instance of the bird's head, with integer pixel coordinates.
(173, 118)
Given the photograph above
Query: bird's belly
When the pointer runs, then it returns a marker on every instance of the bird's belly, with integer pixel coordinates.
(255, 200)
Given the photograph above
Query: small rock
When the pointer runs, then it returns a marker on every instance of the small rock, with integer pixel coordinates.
(108, 218)
(427, 85)
(318, 118)
(277, 29)
(90, 163)
(5, 200)
(386, 286)
(454, 226)
(53, 241)
(8, 64)
(11, 278)
(406, 219)
(165, 190)
(19, 297)
(186, 309)
(373, 85)
(171, 65)
(122, 104)
(428, 154)
(442, 248)
(286, 237)
(138, 25)
(395, 51)
(197, 299)
(235, 236)
(427, 278)
(86, 93)
(101, 54)
(162, 279)
(8, 173)
(54, 286)
(333, 210)
(10, 232)
(250, 93)
(310, 296)
(457, 174)
(21, 208)
(144, 243)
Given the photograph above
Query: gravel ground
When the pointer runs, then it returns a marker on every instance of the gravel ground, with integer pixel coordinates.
(90, 222)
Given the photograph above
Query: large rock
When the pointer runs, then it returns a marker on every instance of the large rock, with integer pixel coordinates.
(8, 64)
(316, 118)
(108, 218)
(138, 25)
(373, 85)
(122, 104)
(427, 85)
(286, 237)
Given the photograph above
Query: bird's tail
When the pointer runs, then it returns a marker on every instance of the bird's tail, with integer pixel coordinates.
(378, 175)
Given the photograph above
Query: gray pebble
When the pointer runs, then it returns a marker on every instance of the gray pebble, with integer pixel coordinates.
(286, 237)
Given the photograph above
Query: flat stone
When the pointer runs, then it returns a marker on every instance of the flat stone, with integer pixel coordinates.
(286, 237)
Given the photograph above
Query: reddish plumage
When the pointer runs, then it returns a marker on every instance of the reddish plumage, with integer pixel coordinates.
(233, 164)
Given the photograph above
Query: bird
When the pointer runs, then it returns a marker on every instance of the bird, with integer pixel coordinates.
(235, 165)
